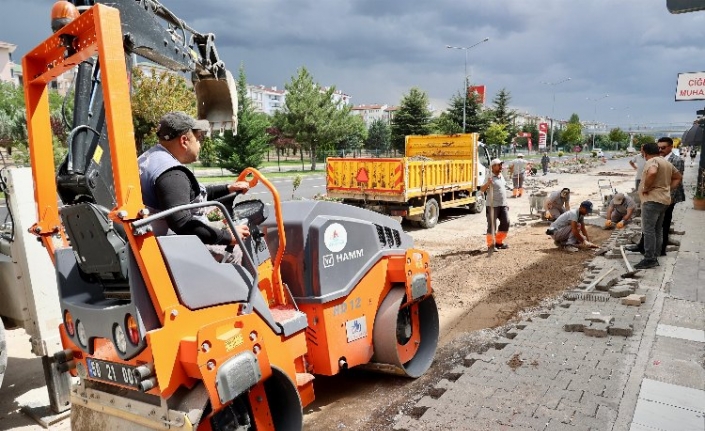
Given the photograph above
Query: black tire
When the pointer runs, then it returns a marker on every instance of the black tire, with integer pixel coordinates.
(479, 205)
(430, 214)
(3, 352)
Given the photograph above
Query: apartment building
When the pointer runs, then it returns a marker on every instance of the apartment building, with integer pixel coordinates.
(6, 64)
(371, 113)
(266, 99)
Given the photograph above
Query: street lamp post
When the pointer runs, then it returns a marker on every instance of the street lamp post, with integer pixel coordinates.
(595, 118)
(620, 109)
(553, 105)
(465, 80)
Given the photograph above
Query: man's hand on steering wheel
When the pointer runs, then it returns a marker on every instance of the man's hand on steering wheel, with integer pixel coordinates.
(239, 186)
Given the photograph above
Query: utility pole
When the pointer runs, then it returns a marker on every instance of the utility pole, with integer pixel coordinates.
(465, 80)
(553, 105)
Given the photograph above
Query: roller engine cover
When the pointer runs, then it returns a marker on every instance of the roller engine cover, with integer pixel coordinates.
(331, 246)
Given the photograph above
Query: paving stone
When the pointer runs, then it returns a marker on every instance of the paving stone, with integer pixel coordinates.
(620, 291)
(607, 282)
(632, 300)
(574, 327)
(621, 327)
(599, 318)
(596, 330)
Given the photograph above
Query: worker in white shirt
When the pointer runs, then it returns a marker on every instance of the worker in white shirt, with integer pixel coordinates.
(517, 168)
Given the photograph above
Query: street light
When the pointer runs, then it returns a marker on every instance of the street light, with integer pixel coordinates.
(553, 106)
(620, 109)
(465, 80)
(595, 118)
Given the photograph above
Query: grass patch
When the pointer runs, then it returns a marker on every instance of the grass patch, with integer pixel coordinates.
(268, 175)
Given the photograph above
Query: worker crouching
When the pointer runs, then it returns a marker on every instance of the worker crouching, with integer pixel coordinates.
(619, 211)
(568, 231)
(557, 203)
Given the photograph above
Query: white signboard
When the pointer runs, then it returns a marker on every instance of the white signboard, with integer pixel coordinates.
(691, 86)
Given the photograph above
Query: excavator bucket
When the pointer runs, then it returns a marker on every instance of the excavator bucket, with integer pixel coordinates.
(217, 102)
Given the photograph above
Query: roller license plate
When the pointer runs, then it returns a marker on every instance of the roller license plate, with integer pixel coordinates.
(112, 372)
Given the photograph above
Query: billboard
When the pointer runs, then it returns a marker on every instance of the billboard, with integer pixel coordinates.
(478, 92)
(690, 86)
(543, 131)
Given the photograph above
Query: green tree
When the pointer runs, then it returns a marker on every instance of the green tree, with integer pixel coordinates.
(641, 139)
(378, 137)
(445, 125)
(573, 132)
(618, 135)
(496, 135)
(153, 95)
(249, 146)
(312, 118)
(500, 112)
(412, 118)
(354, 135)
(476, 119)
(13, 123)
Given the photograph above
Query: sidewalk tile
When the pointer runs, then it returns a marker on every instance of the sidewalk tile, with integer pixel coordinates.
(667, 418)
(680, 332)
(673, 395)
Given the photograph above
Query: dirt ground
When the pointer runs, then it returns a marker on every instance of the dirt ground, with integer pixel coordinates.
(477, 295)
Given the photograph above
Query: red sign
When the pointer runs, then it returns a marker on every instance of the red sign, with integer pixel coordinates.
(543, 131)
(362, 176)
(478, 92)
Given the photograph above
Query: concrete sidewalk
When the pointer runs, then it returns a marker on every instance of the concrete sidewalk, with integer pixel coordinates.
(593, 363)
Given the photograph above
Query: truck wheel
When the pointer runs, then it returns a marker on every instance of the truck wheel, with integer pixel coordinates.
(430, 214)
(3, 352)
(479, 205)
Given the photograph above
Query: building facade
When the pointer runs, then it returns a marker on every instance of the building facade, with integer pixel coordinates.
(372, 113)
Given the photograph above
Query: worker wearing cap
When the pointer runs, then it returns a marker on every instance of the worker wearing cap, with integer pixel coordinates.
(619, 211)
(167, 183)
(569, 232)
(497, 209)
(557, 203)
(517, 168)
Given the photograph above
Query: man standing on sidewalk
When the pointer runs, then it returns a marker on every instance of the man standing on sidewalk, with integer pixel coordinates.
(665, 148)
(517, 168)
(497, 208)
(657, 180)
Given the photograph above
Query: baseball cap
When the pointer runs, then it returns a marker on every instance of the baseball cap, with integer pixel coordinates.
(618, 199)
(587, 205)
(495, 162)
(176, 123)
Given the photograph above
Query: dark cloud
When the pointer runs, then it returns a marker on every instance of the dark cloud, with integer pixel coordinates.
(376, 50)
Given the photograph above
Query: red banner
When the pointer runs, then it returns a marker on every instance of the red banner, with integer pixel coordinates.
(543, 132)
(478, 92)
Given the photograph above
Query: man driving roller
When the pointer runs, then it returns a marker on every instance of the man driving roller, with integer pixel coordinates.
(167, 183)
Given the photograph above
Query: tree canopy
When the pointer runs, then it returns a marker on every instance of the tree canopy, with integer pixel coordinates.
(412, 118)
(313, 118)
(248, 147)
(378, 136)
(153, 95)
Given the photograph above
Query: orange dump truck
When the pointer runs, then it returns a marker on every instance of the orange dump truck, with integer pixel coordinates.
(438, 172)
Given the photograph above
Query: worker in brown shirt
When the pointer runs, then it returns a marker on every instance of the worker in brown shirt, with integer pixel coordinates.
(657, 180)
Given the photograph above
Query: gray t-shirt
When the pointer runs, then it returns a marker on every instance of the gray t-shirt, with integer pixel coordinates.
(555, 200)
(639, 161)
(499, 191)
(622, 208)
(567, 217)
(518, 166)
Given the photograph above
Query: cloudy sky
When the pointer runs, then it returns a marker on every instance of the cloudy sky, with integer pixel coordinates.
(376, 50)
